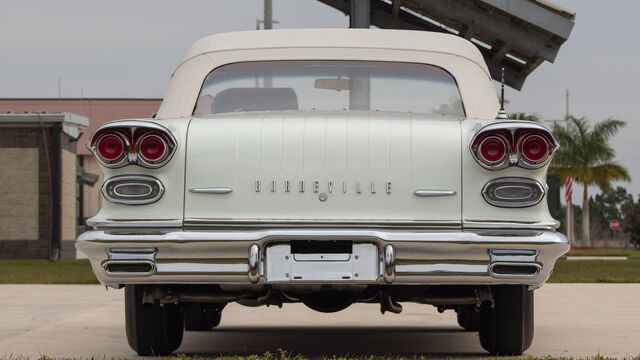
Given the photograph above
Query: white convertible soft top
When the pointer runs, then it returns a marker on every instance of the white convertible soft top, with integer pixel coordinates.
(454, 54)
(338, 38)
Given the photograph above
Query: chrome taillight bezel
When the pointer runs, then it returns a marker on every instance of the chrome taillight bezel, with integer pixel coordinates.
(132, 131)
(503, 161)
(149, 162)
(514, 132)
(117, 162)
(526, 162)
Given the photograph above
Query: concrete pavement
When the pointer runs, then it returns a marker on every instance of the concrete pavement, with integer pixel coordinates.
(87, 320)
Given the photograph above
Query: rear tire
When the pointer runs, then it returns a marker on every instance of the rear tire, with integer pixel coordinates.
(151, 329)
(469, 318)
(507, 329)
(198, 317)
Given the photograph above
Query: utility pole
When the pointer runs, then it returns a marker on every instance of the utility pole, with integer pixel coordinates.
(360, 14)
(267, 17)
(566, 117)
(267, 21)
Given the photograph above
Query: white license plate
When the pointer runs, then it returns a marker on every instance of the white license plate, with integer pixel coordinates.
(361, 264)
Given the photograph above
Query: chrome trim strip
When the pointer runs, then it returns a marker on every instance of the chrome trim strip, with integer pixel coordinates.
(136, 179)
(211, 190)
(187, 268)
(441, 269)
(497, 224)
(428, 193)
(133, 224)
(459, 237)
(271, 223)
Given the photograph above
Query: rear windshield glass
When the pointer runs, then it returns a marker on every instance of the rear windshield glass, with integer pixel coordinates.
(329, 85)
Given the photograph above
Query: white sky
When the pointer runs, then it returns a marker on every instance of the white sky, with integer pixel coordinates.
(129, 49)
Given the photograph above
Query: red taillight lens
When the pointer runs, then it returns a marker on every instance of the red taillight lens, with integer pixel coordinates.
(152, 148)
(534, 149)
(492, 150)
(128, 142)
(111, 147)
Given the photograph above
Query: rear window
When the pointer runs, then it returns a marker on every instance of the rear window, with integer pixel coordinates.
(331, 86)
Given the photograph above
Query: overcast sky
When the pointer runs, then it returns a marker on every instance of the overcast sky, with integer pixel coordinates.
(129, 49)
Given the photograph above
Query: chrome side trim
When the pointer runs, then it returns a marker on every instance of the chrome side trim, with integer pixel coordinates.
(427, 193)
(188, 268)
(497, 224)
(211, 190)
(493, 225)
(134, 224)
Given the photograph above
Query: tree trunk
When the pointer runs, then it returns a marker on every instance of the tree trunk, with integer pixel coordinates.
(586, 238)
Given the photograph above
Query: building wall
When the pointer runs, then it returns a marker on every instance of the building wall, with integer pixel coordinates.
(26, 223)
(92, 194)
(19, 194)
(98, 111)
(69, 213)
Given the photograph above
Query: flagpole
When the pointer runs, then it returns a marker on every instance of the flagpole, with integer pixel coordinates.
(568, 194)
(569, 183)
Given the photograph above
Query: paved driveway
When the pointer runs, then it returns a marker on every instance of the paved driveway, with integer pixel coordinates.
(87, 320)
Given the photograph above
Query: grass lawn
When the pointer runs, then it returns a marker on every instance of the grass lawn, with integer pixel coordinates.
(603, 252)
(37, 271)
(596, 271)
(79, 271)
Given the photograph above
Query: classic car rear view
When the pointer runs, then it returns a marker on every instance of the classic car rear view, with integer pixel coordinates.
(327, 167)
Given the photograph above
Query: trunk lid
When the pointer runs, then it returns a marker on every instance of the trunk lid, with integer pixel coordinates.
(347, 166)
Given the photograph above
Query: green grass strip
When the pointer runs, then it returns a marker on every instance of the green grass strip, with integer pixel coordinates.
(37, 271)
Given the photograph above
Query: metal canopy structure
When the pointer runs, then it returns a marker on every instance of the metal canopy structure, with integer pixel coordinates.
(518, 35)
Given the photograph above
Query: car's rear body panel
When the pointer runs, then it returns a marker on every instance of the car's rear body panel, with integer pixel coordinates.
(323, 166)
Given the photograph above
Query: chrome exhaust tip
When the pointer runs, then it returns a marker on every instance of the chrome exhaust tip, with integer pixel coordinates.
(511, 270)
(129, 267)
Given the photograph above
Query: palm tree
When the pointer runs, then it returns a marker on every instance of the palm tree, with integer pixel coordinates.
(586, 155)
(523, 116)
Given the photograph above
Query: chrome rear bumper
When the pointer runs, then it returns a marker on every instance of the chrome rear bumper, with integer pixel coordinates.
(401, 257)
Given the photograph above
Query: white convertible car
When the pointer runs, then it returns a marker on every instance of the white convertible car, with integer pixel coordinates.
(327, 167)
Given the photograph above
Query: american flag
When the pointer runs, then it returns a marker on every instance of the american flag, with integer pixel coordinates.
(568, 189)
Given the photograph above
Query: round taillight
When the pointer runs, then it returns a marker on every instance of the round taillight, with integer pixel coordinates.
(492, 150)
(152, 148)
(534, 149)
(111, 147)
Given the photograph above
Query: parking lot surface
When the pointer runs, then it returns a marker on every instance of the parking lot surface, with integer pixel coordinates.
(87, 320)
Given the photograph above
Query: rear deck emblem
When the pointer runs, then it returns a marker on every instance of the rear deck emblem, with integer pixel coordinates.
(317, 187)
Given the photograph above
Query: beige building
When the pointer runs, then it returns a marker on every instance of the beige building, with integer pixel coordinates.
(38, 210)
(25, 211)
